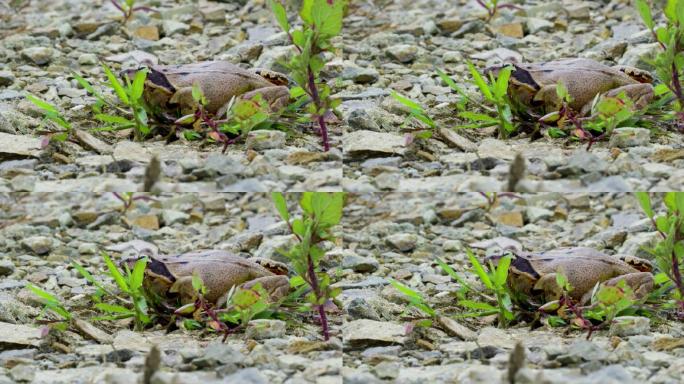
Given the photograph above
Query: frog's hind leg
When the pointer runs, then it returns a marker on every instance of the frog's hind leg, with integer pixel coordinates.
(641, 94)
(277, 286)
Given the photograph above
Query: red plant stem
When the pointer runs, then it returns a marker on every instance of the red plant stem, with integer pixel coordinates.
(317, 103)
(321, 307)
(677, 86)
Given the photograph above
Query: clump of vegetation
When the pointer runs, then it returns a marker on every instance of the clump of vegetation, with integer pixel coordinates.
(495, 93)
(242, 116)
(129, 93)
(131, 299)
(321, 212)
(492, 6)
(669, 251)
(607, 302)
(669, 62)
(51, 113)
(321, 22)
(53, 304)
(417, 113)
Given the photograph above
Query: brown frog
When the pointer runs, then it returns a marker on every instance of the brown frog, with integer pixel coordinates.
(168, 88)
(534, 274)
(533, 86)
(167, 276)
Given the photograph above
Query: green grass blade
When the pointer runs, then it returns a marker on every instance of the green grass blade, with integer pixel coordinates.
(44, 105)
(138, 274)
(138, 84)
(116, 85)
(480, 82)
(479, 270)
(115, 273)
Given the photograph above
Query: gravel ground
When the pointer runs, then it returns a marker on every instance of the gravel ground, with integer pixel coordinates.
(379, 52)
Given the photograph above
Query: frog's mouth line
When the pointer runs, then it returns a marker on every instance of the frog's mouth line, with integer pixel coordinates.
(160, 79)
(523, 76)
(160, 269)
(523, 265)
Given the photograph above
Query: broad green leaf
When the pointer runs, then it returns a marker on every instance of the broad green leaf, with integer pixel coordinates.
(138, 274)
(501, 85)
(281, 205)
(501, 273)
(328, 207)
(305, 202)
(297, 281)
(138, 84)
(645, 202)
(645, 12)
(670, 201)
(306, 12)
(115, 273)
(61, 137)
(280, 14)
(327, 17)
(116, 85)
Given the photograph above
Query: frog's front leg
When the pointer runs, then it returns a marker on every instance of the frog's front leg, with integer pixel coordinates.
(641, 94)
(548, 98)
(277, 96)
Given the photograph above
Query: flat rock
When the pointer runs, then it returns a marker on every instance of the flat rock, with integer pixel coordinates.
(18, 146)
(365, 143)
(16, 335)
(366, 332)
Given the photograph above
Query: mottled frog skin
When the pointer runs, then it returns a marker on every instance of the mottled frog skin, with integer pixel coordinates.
(534, 274)
(168, 88)
(220, 271)
(533, 86)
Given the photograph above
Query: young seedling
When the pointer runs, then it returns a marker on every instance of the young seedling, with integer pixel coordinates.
(416, 300)
(129, 94)
(51, 113)
(418, 113)
(132, 296)
(495, 283)
(321, 212)
(321, 22)
(491, 6)
(669, 251)
(496, 93)
(53, 304)
(128, 7)
(668, 62)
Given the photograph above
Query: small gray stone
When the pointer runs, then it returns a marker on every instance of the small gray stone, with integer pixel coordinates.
(360, 75)
(246, 376)
(630, 326)
(171, 27)
(170, 217)
(359, 333)
(260, 329)
(534, 214)
(403, 242)
(535, 25)
(88, 59)
(219, 354)
(360, 143)
(6, 267)
(40, 245)
(403, 53)
(265, 139)
(630, 137)
(358, 263)
(38, 55)
(6, 78)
